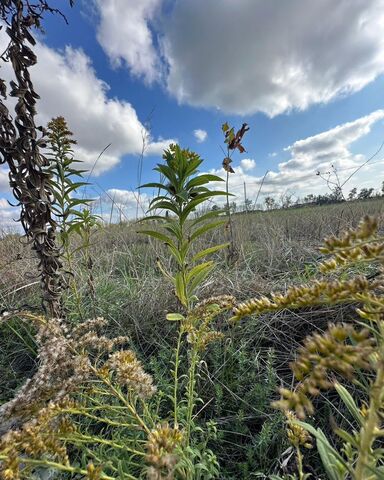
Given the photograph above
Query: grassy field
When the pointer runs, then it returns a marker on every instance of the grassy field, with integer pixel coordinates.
(239, 377)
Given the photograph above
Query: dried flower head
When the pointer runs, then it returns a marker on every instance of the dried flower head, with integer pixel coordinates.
(129, 373)
(64, 365)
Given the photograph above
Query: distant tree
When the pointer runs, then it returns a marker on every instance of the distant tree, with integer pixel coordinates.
(248, 204)
(365, 193)
(214, 207)
(270, 203)
(286, 200)
(310, 198)
(382, 189)
(337, 194)
(233, 207)
(352, 194)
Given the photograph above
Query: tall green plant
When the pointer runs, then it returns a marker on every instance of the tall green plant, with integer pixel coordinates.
(72, 211)
(184, 189)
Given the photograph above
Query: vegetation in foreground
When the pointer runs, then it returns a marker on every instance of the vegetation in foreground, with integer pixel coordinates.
(171, 358)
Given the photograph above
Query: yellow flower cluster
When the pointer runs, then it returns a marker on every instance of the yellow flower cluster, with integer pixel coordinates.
(297, 435)
(366, 230)
(198, 324)
(37, 438)
(320, 292)
(161, 452)
(341, 350)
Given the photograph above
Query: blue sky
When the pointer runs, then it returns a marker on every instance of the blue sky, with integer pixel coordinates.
(311, 91)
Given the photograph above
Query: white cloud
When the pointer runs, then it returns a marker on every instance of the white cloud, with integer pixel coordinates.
(4, 182)
(200, 135)
(157, 148)
(8, 215)
(126, 203)
(124, 33)
(68, 86)
(256, 56)
(307, 156)
(247, 164)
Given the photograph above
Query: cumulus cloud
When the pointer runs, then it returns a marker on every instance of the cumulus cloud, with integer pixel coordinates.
(68, 86)
(8, 215)
(257, 57)
(4, 183)
(200, 135)
(247, 164)
(250, 58)
(124, 33)
(307, 156)
(126, 203)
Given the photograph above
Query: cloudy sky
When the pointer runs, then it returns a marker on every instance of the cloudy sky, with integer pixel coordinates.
(307, 76)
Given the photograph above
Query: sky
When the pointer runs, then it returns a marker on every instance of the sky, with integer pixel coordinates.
(307, 77)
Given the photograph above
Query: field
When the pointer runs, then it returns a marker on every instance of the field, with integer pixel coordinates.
(238, 377)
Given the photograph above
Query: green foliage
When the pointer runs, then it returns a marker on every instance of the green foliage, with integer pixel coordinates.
(353, 353)
(183, 190)
(65, 178)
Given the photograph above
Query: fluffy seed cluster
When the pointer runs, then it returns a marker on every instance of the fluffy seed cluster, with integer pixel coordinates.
(341, 350)
(35, 439)
(161, 446)
(297, 435)
(198, 324)
(129, 373)
(64, 363)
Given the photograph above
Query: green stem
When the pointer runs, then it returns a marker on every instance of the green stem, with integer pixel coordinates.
(191, 392)
(124, 401)
(176, 377)
(56, 466)
(366, 462)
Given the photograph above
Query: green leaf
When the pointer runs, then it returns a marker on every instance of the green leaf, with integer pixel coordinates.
(165, 205)
(197, 275)
(349, 402)
(205, 228)
(159, 236)
(202, 180)
(197, 269)
(175, 317)
(180, 289)
(208, 251)
(225, 127)
(154, 185)
(198, 200)
(206, 216)
(152, 217)
(333, 462)
(346, 436)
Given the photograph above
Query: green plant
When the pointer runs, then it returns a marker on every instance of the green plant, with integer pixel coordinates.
(344, 352)
(94, 398)
(72, 211)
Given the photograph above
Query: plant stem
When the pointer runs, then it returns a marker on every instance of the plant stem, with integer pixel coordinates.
(191, 391)
(176, 376)
(365, 461)
(57, 466)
